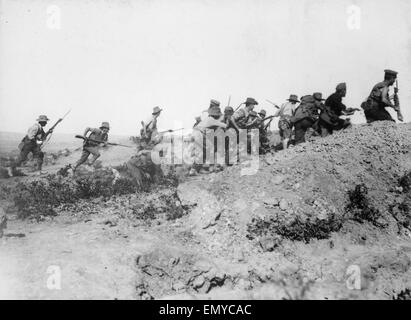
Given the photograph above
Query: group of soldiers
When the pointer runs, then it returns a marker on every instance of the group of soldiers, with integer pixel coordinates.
(310, 114)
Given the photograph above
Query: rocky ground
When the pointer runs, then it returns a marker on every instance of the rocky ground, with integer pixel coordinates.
(303, 226)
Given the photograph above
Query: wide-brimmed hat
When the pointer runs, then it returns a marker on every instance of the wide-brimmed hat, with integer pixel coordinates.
(251, 101)
(294, 98)
(42, 118)
(318, 96)
(214, 111)
(263, 112)
(105, 125)
(157, 110)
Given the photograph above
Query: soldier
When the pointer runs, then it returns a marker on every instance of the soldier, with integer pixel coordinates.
(213, 122)
(229, 120)
(253, 121)
(149, 128)
(32, 142)
(241, 116)
(262, 114)
(379, 99)
(101, 135)
(214, 119)
(286, 112)
(262, 127)
(141, 166)
(306, 115)
(334, 108)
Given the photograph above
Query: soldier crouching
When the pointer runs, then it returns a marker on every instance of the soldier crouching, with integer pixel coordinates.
(141, 166)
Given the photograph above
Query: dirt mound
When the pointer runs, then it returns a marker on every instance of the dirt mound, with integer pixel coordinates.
(295, 229)
(334, 196)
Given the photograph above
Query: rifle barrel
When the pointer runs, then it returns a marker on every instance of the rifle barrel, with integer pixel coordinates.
(97, 141)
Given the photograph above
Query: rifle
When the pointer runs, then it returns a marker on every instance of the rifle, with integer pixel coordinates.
(170, 130)
(49, 132)
(274, 104)
(397, 102)
(229, 100)
(239, 106)
(269, 117)
(96, 141)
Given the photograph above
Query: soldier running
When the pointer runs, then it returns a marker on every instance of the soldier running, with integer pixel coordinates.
(91, 147)
(32, 142)
(149, 129)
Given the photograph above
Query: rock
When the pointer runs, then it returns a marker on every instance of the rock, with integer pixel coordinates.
(239, 255)
(198, 282)
(283, 204)
(269, 243)
(178, 286)
(271, 202)
(202, 265)
(277, 179)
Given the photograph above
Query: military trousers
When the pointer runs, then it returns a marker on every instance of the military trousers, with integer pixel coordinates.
(34, 148)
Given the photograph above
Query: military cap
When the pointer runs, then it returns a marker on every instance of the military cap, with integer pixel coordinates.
(214, 103)
(214, 111)
(390, 72)
(42, 118)
(262, 112)
(228, 109)
(341, 86)
(157, 110)
(251, 101)
(253, 114)
(318, 96)
(105, 125)
(293, 97)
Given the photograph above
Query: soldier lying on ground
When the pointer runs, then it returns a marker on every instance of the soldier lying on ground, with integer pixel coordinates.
(91, 147)
(32, 142)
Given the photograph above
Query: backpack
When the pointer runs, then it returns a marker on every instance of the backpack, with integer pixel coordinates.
(306, 109)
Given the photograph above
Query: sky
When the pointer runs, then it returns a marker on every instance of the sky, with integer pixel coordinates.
(115, 60)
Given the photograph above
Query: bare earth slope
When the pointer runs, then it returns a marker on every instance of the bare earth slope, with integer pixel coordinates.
(283, 232)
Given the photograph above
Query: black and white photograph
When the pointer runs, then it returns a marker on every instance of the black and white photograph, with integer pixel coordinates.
(242, 150)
